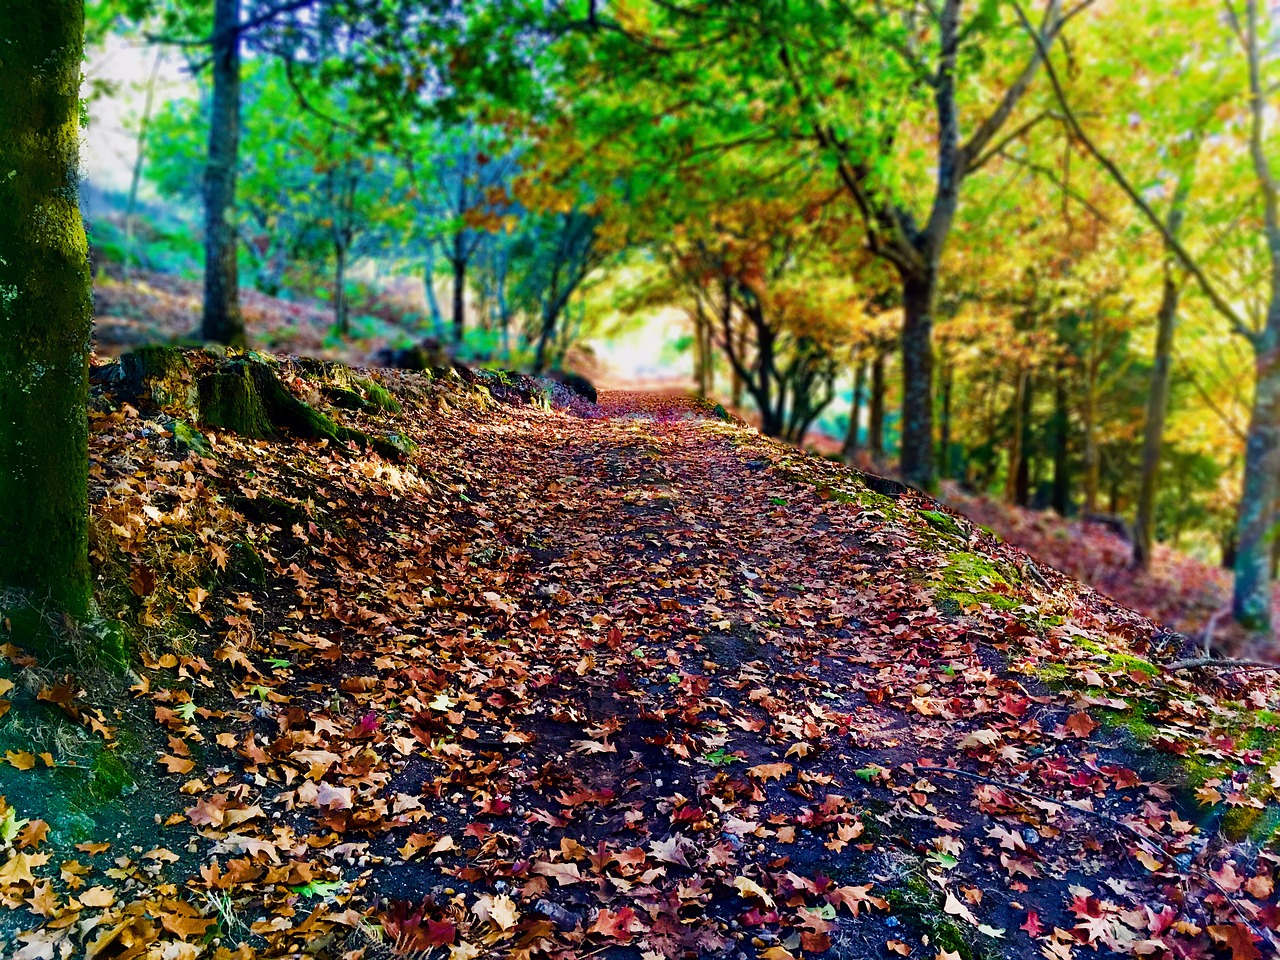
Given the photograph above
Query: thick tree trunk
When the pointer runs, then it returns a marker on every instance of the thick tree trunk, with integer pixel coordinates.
(1153, 435)
(223, 321)
(701, 358)
(875, 416)
(45, 308)
(917, 379)
(1255, 525)
(459, 296)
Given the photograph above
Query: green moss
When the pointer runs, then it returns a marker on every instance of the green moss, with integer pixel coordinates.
(918, 904)
(379, 396)
(229, 401)
(247, 563)
(942, 522)
(187, 439)
(1136, 720)
(110, 777)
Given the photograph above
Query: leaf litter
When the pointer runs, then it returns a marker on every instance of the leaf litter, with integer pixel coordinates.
(627, 680)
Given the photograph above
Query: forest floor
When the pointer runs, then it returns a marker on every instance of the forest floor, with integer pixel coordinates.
(619, 680)
(1180, 591)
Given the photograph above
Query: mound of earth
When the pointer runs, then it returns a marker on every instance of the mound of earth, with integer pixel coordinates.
(624, 680)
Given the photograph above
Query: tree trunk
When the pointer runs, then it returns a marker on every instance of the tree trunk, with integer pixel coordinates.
(1251, 602)
(340, 292)
(855, 412)
(944, 445)
(139, 160)
(459, 294)
(1022, 481)
(1092, 464)
(739, 382)
(223, 321)
(1061, 446)
(1144, 526)
(45, 308)
(917, 378)
(875, 416)
(1016, 436)
(700, 351)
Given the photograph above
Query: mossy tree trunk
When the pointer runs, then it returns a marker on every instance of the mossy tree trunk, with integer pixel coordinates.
(45, 307)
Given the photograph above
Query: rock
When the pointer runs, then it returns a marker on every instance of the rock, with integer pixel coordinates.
(557, 914)
(430, 354)
(576, 383)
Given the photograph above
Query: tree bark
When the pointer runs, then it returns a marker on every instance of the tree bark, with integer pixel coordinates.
(917, 378)
(1016, 436)
(340, 311)
(1022, 480)
(223, 322)
(1251, 603)
(1061, 445)
(45, 308)
(855, 412)
(1092, 462)
(459, 292)
(1144, 526)
(944, 443)
(875, 416)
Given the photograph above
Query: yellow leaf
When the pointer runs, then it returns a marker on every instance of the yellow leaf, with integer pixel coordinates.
(749, 888)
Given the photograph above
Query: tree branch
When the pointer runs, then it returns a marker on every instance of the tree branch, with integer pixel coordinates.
(1219, 302)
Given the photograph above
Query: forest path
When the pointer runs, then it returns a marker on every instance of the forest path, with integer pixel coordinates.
(705, 707)
(629, 680)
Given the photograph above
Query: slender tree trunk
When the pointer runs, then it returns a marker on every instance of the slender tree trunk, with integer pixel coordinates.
(700, 348)
(1061, 446)
(708, 358)
(1255, 527)
(1015, 440)
(459, 293)
(875, 425)
(917, 378)
(45, 308)
(139, 161)
(944, 446)
(1022, 481)
(223, 321)
(855, 412)
(739, 383)
(1144, 526)
(340, 291)
(1092, 464)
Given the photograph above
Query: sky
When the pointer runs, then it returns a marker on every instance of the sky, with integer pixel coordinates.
(109, 145)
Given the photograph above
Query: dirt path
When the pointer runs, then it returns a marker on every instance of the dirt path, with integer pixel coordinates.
(710, 704)
(632, 681)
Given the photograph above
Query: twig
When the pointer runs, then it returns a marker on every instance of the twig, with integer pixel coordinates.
(1224, 663)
